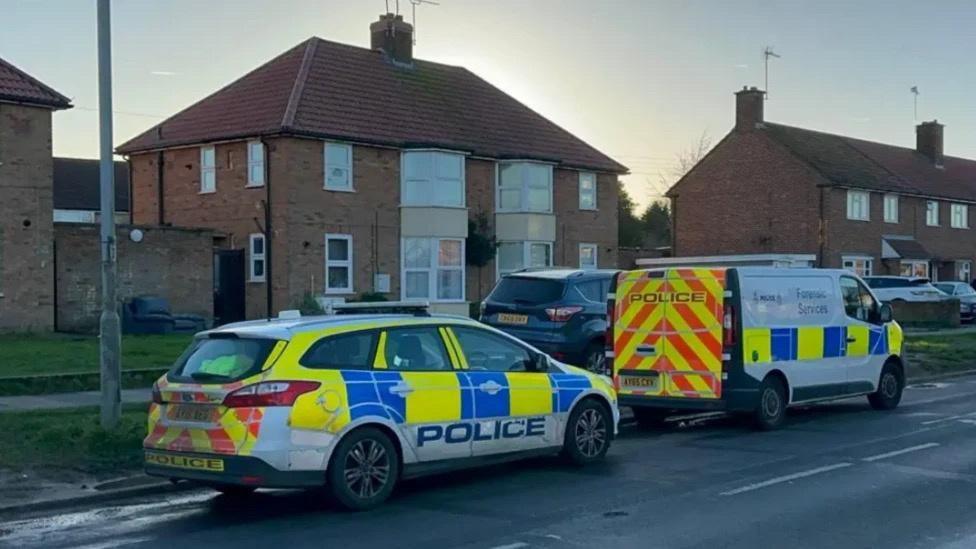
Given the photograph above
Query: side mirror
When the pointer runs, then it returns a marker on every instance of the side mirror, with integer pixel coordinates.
(885, 314)
(541, 363)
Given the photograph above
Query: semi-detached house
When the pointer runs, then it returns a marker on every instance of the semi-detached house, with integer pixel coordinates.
(338, 170)
(868, 207)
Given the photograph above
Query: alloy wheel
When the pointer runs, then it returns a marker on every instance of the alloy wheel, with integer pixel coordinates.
(366, 468)
(591, 433)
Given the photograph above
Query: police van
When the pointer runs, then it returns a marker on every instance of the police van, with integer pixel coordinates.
(356, 402)
(749, 339)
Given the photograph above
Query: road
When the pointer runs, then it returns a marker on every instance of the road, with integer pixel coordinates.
(839, 475)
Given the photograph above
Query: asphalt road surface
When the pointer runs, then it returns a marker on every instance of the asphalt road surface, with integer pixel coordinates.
(839, 475)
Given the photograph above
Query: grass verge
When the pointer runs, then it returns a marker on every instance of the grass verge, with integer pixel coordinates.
(940, 354)
(30, 354)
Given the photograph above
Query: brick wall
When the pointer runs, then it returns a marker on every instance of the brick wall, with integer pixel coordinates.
(173, 263)
(26, 227)
(575, 226)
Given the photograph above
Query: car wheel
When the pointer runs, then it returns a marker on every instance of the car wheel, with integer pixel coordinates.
(890, 387)
(588, 433)
(596, 359)
(364, 469)
(234, 490)
(771, 411)
(650, 418)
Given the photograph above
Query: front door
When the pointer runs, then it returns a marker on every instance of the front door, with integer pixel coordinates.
(228, 300)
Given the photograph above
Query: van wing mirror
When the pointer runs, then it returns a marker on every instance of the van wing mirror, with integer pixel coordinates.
(884, 313)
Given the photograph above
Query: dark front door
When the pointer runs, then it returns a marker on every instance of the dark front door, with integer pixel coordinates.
(228, 286)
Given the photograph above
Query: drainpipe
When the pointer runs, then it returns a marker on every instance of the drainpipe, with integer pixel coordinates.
(822, 236)
(269, 259)
(161, 213)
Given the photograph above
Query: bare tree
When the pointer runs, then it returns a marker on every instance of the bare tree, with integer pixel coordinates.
(684, 161)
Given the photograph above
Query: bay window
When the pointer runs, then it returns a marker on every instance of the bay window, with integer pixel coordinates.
(433, 269)
(433, 178)
(513, 256)
(524, 187)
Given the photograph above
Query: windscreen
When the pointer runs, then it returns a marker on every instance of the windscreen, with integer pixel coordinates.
(525, 290)
(221, 360)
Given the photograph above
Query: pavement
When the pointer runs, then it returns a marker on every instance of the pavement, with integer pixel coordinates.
(68, 400)
(840, 475)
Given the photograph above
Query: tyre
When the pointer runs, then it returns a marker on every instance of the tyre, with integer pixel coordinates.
(588, 433)
(891, 384)
(234, 490)
(771, 410)
(363, 470)
(596, 359)
(650, 418)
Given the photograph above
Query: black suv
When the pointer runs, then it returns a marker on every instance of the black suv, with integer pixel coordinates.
(563, 312)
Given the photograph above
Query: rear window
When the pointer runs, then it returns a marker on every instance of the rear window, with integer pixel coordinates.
(527, 291)
(221, 360)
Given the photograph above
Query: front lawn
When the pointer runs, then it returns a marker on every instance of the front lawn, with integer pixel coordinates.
(35, 353)
(939, 354)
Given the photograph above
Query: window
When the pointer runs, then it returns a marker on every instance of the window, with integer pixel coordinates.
(513, 256)
(859, 265)
(524, 187)
(527, 290)
(587, 256)
(433, 269)
(208, 170)
(341, 352)
(257, 258)
(74, 216)
(964, 271)
(858, 302)
(491, 352)
(915, 268)
(931, 213)
(338, 167)
(960, 216)
(858, 205)
(255, 164)
(592, 290)
(222, 360)
(415, 349)
(891, 208)
(587, 191)
(338, 264)
(432, 178)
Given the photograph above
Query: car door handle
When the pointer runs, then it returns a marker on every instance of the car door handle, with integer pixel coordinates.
(490, 387)
(401, 389)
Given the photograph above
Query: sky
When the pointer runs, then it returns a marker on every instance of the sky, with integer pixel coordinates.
(641, 80)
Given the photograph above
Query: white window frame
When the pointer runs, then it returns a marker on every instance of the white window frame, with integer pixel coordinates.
(583, 175)
(596, 258)
(326, 167)
(524, 187)
(891, 204)
(960, 211)
(253, 257)
(74, 216)
(255, 163)
(432, 177)
(858, 205)
(968, 270)
(932, 213)
(347, 263)
(850, 263)
(526, 254)
(911, 264)
(206, 170)
(432, 269)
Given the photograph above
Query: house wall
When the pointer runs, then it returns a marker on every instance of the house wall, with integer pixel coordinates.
(26, 225)
(173, 263)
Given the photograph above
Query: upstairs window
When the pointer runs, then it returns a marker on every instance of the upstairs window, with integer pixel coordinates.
(208, 170)
(587, 191)
(960, 216)
(255, 164)
(433, 178)
(524, 187)
(858, 205)
(338, 264)
(256, 257)
(932, 213)
(891, 208)
(338, 167)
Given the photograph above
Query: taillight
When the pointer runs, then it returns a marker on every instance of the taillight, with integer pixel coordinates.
(728, 326)
(562, 314)
(269, 393)
(157, 396)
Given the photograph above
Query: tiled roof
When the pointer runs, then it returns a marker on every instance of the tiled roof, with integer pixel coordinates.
(16, 86)
(849, 162)
(331, 90)
(76, 184)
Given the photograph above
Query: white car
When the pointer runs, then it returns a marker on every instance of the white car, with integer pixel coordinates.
(903, 288)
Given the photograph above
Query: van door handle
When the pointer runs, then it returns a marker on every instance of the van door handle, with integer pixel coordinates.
(401, 389)
(490, 387)
(646, 350)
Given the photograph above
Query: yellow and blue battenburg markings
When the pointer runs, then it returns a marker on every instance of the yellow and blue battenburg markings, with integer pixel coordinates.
(813, 343)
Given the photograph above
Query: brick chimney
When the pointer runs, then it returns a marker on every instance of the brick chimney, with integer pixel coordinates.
(928, 140)
(394, 37)
(749, 108)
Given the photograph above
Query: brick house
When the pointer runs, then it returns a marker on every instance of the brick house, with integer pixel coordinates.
(26, 182)
(77, 196)
(340, 170)
(868, 207)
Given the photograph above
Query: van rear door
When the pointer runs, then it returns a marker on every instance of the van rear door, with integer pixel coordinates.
(667, 333)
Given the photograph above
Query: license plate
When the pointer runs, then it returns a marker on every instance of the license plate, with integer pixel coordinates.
(641, 383)
(185, 462)
(509, 318)
(199, 413)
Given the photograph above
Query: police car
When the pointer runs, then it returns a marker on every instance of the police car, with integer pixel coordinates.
(356, 402)
(749, 339)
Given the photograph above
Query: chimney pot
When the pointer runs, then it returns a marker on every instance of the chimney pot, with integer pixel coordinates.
(749, 108)
(394, 37)
(929, 141)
